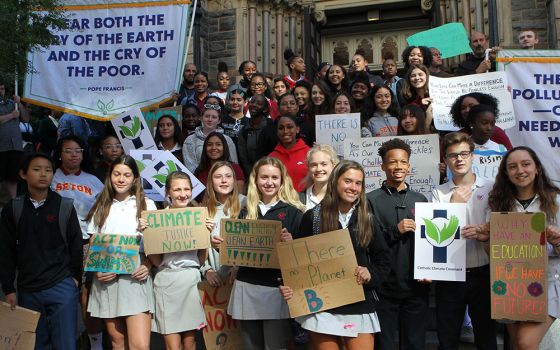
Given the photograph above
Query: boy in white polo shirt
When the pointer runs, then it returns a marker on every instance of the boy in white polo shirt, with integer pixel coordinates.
(453, 297)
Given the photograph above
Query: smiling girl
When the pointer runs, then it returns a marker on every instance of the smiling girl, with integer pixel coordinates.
(321, 160)
(178, 309)
(255, 301)
(125, 302)
(291, 151)
(168, 136)
(194, 144)
(384, 120)
(345, 207)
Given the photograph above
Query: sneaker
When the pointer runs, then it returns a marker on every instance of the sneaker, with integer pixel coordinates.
(467, 335)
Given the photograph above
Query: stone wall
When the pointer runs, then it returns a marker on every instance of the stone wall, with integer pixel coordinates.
(530, 14)
(222, 39)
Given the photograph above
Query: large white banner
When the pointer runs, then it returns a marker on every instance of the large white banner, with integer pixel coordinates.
(113, 58)
(535, 88)
(444, 91)
(423, 174)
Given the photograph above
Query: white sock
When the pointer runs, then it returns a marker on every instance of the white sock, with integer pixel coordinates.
(96, 341)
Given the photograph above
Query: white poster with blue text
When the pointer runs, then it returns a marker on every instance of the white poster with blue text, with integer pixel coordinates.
(114, 57)
(423, 174)
(440, 253)
(535, 87)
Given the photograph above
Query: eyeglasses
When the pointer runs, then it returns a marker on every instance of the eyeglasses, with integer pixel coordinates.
(211, 106)
(111, 147)
(73, 150)
(454, 156)
(257, 85)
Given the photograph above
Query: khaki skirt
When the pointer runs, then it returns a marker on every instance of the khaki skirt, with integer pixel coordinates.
(123, 296)
(178, 305)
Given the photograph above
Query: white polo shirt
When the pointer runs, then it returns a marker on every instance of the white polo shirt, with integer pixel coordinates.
(477, 208)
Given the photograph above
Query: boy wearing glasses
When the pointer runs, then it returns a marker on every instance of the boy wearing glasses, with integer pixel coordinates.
(453, 297)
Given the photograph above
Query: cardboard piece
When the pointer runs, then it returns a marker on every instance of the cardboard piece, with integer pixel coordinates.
(222, 332)
(440, 253)
(444, 91)
(423, 174)
(154, 166)
(132, 131)
(333, 129)
(17, 327)
(250, 242)
(320, 270)
(518, 267)
(175, 230)
(450, 39)
(153, 115)
(113, 253)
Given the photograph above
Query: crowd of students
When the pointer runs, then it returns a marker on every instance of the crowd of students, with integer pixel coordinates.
(253, 145)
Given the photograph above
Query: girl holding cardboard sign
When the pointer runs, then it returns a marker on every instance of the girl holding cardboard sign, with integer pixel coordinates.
(345, 206)
(178, 309)
(523, 186)
(125, 302)
(224, 201)
(263, 314)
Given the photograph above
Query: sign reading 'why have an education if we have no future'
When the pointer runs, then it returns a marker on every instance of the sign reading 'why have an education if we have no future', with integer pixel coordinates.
(518, 262)
(113, 253)
(250, 242)
(320, 270)
(175, 230)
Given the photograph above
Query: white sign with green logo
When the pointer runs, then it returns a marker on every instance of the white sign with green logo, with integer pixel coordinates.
(132, 130)
(439, 249)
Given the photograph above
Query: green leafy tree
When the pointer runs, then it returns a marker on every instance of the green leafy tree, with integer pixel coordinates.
(26, 25)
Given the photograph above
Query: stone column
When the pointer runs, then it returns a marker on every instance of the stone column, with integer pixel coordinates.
(253, 31)
(293, 34)
(279, 39)
(479, 16)
(266, 39)
(467, 16)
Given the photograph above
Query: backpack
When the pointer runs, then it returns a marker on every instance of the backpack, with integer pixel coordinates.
(66, 206)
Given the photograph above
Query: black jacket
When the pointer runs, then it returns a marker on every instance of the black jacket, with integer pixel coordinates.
(34, 247)
(290, 217)
(389, 209)
(375, 257)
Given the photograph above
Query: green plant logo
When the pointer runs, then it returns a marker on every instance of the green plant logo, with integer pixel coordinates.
(163, 170)
(440, 232)
(131, 132)
(105, 108)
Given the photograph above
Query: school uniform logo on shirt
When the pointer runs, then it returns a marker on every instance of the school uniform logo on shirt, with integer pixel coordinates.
(440, 232)
(51, 218)
(67, 186)
(282, 216)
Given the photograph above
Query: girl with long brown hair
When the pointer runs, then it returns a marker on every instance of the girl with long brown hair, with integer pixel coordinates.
(125, 302)
(523, 186)
(345, 207)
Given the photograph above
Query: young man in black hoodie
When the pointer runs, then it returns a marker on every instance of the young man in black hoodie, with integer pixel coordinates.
(43, 244)
(403, 304)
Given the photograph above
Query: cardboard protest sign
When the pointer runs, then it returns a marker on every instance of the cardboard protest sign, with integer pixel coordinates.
(132, 130)
(250, 242)
(518, 266)
(175, 230)
(152, 117)
(450, 39)
(222, 332)
(333, 129)
(423, 174)
(155, 166)
(444, 91)
(17, 327)
(440, 253)
(320, 270)
(113, 253)
(112, 57)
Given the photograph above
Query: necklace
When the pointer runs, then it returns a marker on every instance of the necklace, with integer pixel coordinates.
(525, 202)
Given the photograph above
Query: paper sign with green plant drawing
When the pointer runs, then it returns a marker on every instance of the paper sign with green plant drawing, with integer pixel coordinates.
(132, 131)
(156, 165)
(439, 250)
